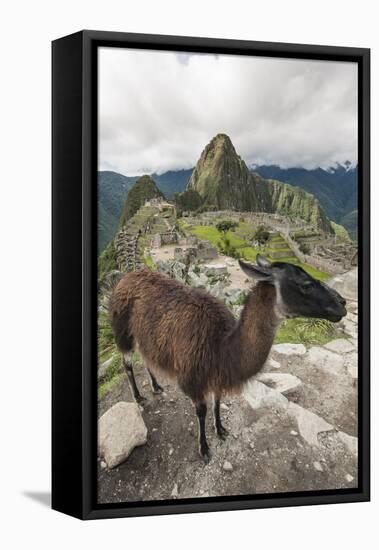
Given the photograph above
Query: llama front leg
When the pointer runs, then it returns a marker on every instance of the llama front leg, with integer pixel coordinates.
(201, 411)
(220, 430)
(128, 366)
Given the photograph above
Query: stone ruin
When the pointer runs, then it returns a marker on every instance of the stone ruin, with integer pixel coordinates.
(127, 251)
(162, 239)
(198, 251)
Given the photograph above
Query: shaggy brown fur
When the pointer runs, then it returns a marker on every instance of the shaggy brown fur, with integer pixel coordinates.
(193, 338)
(190, 335)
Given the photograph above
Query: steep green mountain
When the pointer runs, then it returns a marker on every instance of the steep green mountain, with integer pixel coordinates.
(112, 189)
(350, 222)
(336, 188)
(144, 189)
(223, 181)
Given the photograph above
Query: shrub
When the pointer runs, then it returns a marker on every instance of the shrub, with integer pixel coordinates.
(226, 225)
(261, 235)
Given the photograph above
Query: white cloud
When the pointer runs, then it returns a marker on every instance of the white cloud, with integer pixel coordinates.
(158, 110)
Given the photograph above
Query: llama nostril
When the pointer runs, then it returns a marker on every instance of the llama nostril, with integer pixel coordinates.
(343, 301)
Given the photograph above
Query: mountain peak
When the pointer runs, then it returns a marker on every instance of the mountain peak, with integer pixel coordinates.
(144, 189)
(221, 138)
(223, 181)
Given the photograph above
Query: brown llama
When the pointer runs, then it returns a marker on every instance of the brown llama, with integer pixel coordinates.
(193, 337)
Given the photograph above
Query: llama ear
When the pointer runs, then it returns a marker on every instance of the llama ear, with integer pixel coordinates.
(262, 261)
(255, 271)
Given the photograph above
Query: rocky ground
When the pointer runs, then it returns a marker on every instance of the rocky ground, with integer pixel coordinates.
(293, 429)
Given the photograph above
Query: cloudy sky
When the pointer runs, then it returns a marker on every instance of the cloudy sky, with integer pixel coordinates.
(158, 110)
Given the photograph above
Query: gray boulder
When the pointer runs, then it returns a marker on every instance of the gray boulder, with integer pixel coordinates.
(215, 269)
(289, 349)
(282, 382)
(120, 430)
(197, 280)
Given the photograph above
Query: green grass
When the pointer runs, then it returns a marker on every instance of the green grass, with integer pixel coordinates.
(148, 261)
(115, 374)
(210, 233)
(249, 253)
(307, 332)
(106, 387)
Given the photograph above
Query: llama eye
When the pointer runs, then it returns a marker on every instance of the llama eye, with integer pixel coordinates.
(306, 286)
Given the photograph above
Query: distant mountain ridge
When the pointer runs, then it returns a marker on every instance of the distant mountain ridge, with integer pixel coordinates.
(335, 188)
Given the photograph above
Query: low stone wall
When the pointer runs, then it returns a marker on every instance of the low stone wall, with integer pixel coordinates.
(170, 237)
(323, 264)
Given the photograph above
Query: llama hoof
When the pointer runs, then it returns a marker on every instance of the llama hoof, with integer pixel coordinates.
(140, 399)
(157, 390)
(222, 433)
(205, 455)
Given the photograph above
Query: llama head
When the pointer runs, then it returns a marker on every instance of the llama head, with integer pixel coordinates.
(297, 293)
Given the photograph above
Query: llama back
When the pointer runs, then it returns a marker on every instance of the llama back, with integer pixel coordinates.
(172, 324)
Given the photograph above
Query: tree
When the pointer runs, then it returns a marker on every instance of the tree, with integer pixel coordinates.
(225, 226)
(261, 235)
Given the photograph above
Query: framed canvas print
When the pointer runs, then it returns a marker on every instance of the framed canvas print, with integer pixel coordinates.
(210, 274)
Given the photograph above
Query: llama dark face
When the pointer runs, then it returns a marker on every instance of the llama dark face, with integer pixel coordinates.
(298, 294)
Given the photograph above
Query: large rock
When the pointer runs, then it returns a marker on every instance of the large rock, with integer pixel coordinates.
(215, 269)
(325, 359)
(350, 442)
(350, 327)
(217, 290)
(309, 423)
(281, 382)
(197, 280)
(351, 364)
(259, 395)
(346, 284)
(120, 430)
(290, 349)
(340, 346)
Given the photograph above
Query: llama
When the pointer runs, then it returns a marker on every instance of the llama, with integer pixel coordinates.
(194, 339)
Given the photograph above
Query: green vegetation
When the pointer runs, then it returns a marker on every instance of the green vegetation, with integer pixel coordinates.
(222, 178)
(148, 261)
(350, 221)
(226, 225)
(112, 189)
(261, 235)
(307, 331)
(107, 261)
(144, 189)
(189, 201)
(341, 232)
(240, 249)
(336, 189)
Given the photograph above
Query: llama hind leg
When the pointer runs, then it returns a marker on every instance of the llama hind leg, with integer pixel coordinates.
(128, 366)
(220, 430)
(154, 384)
(201, 412)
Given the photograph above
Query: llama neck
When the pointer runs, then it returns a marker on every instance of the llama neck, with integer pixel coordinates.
(248, 346)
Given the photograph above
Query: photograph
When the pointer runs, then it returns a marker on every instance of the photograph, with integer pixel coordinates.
(227, 275)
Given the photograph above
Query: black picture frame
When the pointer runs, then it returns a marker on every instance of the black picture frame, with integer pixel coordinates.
(74, 205)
